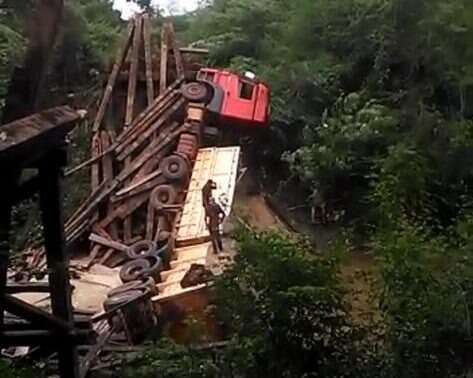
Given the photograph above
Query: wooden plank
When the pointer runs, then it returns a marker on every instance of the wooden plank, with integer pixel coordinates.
(132, 79)
(29, 287)
(108, 176)
(149, 111)
(177, 53)
(150, 221)
(103, 192)
(127, 223)
(5, 229)
(108, 187)
(154, 148)
(151, 165)
(96, 150)
(94, 352)
(164, 58)
(93, 255)
(159, 110)
(107, 161)
(122, 53)
(148, 59)
(193, 50)
(80, 210)
(107, 256)
(146, 135)
(27, 140)
(142, 121)
(125, 210)
(77, 232)
(39, 337)
(138, 183)
(38, 317)
(108, 243)
(50, 174)
(89, 162)
(141, 189)
(133, 73)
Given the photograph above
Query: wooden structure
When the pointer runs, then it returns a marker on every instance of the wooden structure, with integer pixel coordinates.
(133, 132)
(143, 120)
(38, 142)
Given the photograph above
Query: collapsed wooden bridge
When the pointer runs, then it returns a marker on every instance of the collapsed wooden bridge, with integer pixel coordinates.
(147, 168)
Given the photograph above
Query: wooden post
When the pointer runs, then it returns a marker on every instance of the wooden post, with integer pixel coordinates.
(148, 59)
(50, 172)
(130, 103)
(164, 58)
(107, 164)
(96, 150)
(132, 77)
(176, 52)
(113, 78)
(5, 224)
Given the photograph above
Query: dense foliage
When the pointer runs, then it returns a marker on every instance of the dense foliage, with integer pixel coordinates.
(358, 88)
(283, 314)
(86, 42)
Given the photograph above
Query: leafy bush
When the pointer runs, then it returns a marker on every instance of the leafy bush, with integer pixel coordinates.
(427, 285)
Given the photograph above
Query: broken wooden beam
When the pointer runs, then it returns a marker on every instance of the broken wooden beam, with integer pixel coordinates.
(108, 243)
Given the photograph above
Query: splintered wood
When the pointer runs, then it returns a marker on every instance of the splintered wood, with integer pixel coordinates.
(126, 152)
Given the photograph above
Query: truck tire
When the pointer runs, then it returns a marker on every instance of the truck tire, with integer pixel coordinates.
(163, 252)
(132, 285)
(144, 285)
(141, 249)
(175, 168)
(150, 284)
(195, 92)
(117, 300)
(155, 268)
(163, 195)
(134, 269)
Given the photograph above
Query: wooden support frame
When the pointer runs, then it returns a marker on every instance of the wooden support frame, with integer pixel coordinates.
(38, 141)
(148, 58)
(5, 227)
(36, 316)
(164, 58)
(121, 56)
(51, 195)
(133, 73)
(177, 52)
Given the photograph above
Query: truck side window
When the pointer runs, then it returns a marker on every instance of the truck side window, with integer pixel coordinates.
(246, 90)
(205, 75)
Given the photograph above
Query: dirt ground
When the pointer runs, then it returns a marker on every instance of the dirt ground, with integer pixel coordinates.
(357, 269)
(254, 211)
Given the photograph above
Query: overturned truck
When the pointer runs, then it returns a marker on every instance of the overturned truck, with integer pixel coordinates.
(147, 254)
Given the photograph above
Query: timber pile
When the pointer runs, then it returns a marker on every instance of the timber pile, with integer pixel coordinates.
(135, 194)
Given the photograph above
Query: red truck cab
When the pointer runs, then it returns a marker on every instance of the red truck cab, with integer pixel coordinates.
(237, 100)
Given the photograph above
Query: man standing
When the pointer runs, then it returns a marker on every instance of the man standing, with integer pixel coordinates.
(214, 216)
(207, 192)
(317, 207)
